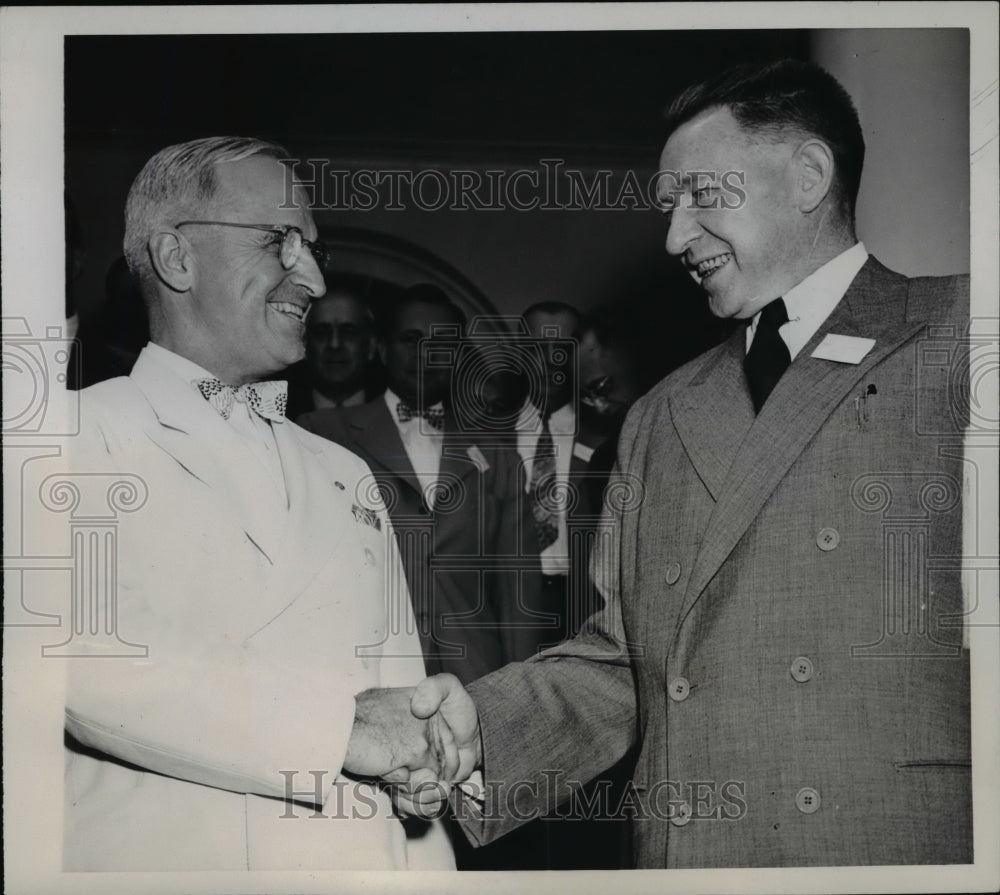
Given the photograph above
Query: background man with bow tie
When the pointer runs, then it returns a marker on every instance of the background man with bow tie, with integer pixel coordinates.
(260, 573)
(783, 634)
(455, 497)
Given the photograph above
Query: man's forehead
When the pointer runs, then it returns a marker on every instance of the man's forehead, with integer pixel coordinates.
(421, 317)
(338, 305)
(263, 185)
(564, 321)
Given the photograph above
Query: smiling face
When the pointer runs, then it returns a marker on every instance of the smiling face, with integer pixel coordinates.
(744, 256)
(246, 310)
(339, 344)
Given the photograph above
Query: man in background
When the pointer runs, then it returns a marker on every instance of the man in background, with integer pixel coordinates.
(456, 499)
(340, 351)
(546, 428)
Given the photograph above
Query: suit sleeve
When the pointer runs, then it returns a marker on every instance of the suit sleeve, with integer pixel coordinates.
(225, 714)
(561, 717)
(223, 721)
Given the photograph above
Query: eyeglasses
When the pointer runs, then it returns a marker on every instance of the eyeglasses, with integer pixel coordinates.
(597, 389)
(292, 241)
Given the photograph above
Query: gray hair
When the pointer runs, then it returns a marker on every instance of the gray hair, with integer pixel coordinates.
(177, 180)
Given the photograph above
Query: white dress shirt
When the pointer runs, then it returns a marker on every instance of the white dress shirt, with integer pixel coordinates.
(562, 425)
(813, 300)
(253, 429)
(423, 444)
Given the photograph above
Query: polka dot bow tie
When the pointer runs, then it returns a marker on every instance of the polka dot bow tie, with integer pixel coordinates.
(267, 399)
(434, 416)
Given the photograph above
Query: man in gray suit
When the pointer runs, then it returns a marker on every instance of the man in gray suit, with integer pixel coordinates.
(782, 632)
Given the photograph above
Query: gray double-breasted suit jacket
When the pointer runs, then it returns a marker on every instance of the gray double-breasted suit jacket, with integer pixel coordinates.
(782, 632)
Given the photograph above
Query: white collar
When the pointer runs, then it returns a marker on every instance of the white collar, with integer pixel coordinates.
(180, 366)
(562, 420)
(813, 300)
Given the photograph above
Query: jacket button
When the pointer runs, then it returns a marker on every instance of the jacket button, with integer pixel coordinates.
(673, 573)
(802, 669)
(827, 539)
(682, 815)
(807, 800)
(679, 689)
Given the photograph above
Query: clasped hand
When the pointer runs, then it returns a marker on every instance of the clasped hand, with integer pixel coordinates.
(423, 739)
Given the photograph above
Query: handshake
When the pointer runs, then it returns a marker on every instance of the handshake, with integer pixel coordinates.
(423, 739)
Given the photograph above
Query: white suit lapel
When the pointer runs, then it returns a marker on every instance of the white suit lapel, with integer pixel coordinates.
(319, 511)
(194, 434)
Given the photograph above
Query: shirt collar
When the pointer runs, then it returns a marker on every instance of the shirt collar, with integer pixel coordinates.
(186, 369)
(561, 421)
(813, 300)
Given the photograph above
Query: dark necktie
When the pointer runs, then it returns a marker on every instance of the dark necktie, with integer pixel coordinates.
(267, 399)
(768, 357)
(542, 489)
(434, 416)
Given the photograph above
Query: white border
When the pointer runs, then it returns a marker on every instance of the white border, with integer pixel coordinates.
(31, 129)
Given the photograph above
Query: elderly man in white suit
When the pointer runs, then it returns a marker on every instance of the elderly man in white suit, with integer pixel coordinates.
(260, 573)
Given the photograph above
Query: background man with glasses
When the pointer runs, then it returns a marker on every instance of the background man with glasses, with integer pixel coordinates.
(260, 573)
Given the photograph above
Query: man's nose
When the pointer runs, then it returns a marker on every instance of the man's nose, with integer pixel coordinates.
(683, 230)
(307, 275)
(335, 339)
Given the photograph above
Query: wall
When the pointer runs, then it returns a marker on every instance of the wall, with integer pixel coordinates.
(911, 88)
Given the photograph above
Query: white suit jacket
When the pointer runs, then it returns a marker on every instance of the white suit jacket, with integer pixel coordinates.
(260, 632)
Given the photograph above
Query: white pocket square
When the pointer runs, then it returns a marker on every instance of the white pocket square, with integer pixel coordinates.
(843, 349)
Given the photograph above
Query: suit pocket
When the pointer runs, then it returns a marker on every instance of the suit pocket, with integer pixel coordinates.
(933, 764)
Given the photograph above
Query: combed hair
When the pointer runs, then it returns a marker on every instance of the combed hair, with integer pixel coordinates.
(176, 181)
(773, 98)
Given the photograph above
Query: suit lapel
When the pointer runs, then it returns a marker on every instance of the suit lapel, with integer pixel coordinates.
(192, 432)
(318, 512)
(377, 438)
(713, 413)
(874, 306)
(460, 456)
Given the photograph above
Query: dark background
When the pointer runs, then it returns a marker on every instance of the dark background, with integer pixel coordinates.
(479, 100)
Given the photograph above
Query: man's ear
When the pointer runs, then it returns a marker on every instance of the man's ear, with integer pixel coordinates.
(381, 350)
(372, 346)
(172, 259)
(815, 168)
